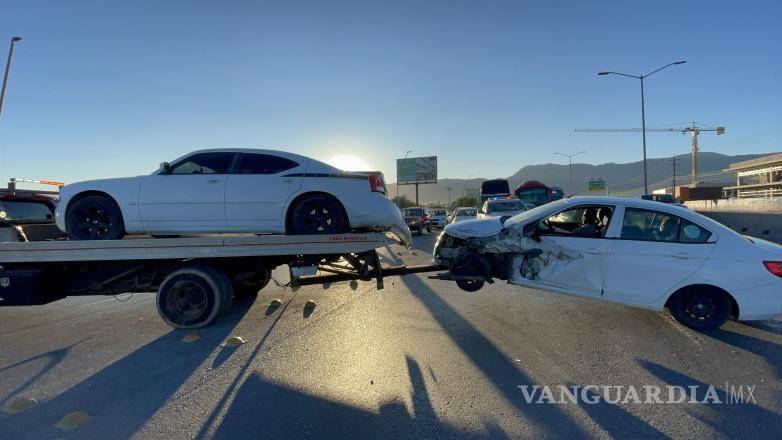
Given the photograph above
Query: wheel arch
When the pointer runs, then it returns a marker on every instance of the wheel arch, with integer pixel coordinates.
(303, 195)
(734, 313)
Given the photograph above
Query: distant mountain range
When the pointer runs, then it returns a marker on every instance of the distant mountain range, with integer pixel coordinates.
(622, 179)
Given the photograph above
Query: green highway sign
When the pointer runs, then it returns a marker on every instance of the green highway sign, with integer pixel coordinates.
(597, 185)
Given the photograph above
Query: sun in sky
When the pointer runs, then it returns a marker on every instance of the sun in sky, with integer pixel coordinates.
(349, 163)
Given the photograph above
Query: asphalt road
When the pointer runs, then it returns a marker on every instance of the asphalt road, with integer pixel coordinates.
(419, 359)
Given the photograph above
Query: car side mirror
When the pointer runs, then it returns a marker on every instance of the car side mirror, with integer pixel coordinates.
(165, 168)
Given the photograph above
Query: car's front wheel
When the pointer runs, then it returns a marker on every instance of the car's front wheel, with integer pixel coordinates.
(701, 307)
(317, 214)
(94, 218)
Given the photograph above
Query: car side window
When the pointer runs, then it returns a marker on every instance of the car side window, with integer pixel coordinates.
(24, 212)
(264, 164)
(647, 225)
(204, 163)
(581, 221)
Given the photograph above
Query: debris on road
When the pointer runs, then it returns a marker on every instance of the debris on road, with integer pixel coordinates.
(72, 420)
(310, 304)
(191, 337)
(234, 341)
(18, 405)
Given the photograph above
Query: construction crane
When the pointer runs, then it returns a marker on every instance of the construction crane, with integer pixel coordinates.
(693, 129)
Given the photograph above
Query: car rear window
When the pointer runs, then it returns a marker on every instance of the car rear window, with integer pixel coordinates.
(264, 164)
(414, 212)
(647, 225)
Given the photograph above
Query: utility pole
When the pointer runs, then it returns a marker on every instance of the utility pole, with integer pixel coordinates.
(673, 178)
(14, 40)
(449, 195)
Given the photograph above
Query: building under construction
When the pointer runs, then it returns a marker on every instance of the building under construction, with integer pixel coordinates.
(761, 177)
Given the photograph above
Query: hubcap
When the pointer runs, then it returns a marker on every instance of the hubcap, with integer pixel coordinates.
(187, 300)
(93, 222)
(700, 305)
(318, 218)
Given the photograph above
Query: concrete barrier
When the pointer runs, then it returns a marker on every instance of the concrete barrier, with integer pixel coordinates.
(765, 225)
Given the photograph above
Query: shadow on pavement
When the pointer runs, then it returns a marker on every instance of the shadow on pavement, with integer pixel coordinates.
(770, 351)
(124, 395)
(721, 417)
(52, 359)
(503, 373)
(265, 409)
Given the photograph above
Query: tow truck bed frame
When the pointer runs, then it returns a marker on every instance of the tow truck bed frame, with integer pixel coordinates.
(195, 278)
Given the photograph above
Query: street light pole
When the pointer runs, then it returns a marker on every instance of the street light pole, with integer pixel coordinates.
(643, 110)
(14, 40)
(570, 167)
(464, 187)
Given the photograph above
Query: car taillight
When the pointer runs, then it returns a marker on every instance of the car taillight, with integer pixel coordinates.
(774, 267)
(376, 183)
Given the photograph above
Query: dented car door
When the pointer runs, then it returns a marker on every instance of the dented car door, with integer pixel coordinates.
(572, 250)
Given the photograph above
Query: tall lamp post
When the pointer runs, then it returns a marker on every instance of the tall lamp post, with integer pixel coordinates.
(643, 116)
(397, 177)
(14, 40)
(570, 167)
(464, 187)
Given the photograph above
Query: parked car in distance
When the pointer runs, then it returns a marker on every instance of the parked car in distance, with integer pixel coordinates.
(417, 219)
(662, 198)
(27, 215)
(464, 213)
(231, 190)
(439, 217)
(630, 251)
(502, 207)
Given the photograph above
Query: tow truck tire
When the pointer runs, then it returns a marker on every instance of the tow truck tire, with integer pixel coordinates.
(94, 217)
(251, 290)
(192, 297)
(700, 307)
(429, 228)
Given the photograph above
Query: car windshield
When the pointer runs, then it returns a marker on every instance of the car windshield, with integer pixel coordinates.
(413, 212)
(467, 213)
(504, 206)
(535, 196)
(538, 212)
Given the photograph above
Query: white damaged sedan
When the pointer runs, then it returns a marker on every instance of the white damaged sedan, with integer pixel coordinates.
(634, 252)
(231, 191)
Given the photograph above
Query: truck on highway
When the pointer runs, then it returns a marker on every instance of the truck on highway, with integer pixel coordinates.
(195, 278)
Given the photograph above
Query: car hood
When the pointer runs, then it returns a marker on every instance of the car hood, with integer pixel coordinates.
(99, 184)
(475, 228)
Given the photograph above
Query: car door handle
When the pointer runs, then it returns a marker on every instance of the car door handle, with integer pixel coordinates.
(682, 255)
(214, 181)
(593, 251)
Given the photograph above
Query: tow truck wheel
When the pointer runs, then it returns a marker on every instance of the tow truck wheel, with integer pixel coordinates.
(94, 218)
(192, 297)
(252, 289)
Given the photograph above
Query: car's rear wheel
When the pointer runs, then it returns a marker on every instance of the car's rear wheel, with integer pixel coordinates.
(94, 218)
(317, 214)
(701, 307)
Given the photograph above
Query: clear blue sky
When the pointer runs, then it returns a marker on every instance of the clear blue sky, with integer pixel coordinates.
(102, 89)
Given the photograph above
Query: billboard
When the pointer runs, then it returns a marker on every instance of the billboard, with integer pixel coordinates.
(416, 170)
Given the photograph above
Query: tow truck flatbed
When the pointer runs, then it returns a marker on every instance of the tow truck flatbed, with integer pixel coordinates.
(195, 278)
(219, 246)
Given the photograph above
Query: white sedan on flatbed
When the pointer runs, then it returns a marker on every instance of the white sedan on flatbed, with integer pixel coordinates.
(230, 191)
(634, 252)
